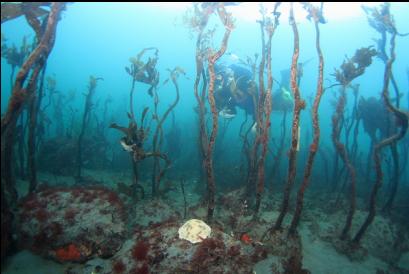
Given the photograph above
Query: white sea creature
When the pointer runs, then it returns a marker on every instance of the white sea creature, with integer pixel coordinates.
(194, 231)
(125, 146)
(254, 128)
(234, 57)
(226, 114)
(286, 94)
(298, 140)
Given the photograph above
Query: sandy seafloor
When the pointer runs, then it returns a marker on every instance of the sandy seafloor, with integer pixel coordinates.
(319, 254)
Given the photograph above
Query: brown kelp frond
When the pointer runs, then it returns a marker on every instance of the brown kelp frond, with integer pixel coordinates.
(174, 74)
(13, 55)
(314, 12)
(380, 18)
(10, 11)
(93, 83)
(354, 67)
(145, 71)
(197, 17)
(144, 112)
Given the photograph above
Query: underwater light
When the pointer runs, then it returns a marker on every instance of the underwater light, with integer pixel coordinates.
(250, 11)
(333, 10)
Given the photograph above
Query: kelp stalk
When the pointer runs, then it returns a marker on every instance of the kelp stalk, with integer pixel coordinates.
(264, 106)
(299, 105)
(315, 125)
(350, 69)
(212, 59)
(403, 118)
(33, 115)
(340, 148)
(85, 120)
(155, 179)
(20, 94)
(199, 22)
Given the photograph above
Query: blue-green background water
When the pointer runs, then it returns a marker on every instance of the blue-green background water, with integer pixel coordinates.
(99, 38)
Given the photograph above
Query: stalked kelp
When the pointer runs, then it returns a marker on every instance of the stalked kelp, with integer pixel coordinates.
(205, 55)
(263, 109)
(44, 23)
(378, 123)
(350, 69)
(25, 84)
(380, 19)
(316, 14)
(144, 72)
(31, 11)
(402, 118)
(299, 105)
(92, 85)
(245, 134)
(135, 136)
(174, 75)
(33, 112)
(15, 56)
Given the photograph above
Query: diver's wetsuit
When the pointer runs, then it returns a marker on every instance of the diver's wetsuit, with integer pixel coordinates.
(234, 87)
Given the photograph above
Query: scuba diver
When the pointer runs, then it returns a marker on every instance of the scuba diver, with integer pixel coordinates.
(234, 87)
(282, 98)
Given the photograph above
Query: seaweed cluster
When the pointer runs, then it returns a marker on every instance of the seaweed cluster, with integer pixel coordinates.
(355, 67)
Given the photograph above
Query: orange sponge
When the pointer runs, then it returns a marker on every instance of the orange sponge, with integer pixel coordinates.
(69, 253)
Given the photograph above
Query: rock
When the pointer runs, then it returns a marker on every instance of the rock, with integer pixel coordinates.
(72, 224)
(404, 261)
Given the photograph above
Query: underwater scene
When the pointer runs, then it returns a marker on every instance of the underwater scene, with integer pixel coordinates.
(211, 137)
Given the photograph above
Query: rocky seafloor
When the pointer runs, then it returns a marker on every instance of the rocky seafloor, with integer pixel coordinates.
(105, 227)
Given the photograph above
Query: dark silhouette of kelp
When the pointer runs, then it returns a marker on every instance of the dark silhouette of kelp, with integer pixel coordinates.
(386, 21)
(25, 84)
(92, 85)
(349, 70)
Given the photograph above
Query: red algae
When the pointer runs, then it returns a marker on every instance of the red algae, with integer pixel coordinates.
(118, 267)
(140, 251)
(69, 253)
(41, 215)
(144, 269)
